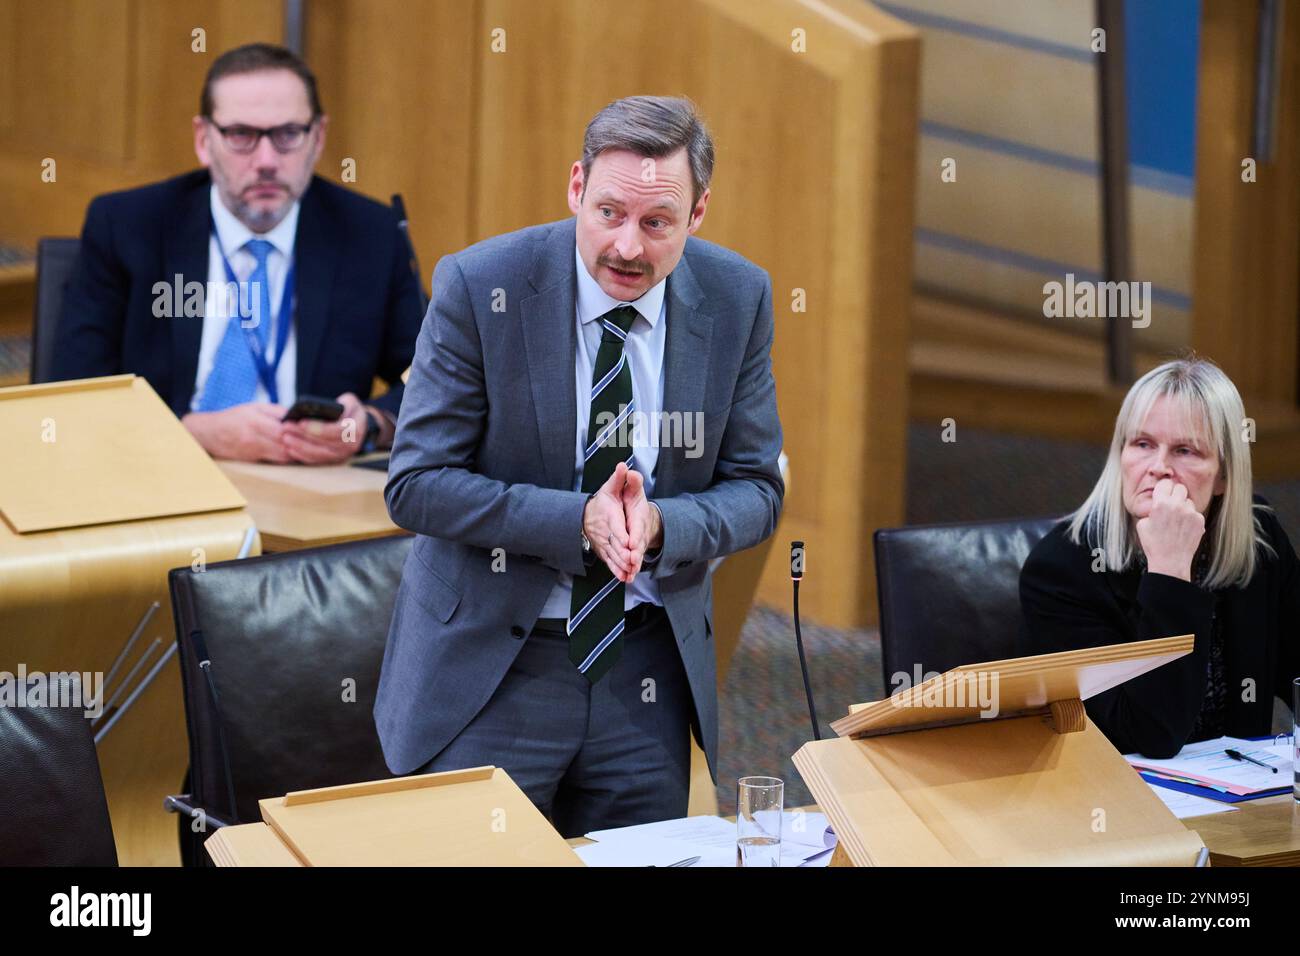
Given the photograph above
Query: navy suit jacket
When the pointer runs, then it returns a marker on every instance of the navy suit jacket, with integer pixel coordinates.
(357, 316)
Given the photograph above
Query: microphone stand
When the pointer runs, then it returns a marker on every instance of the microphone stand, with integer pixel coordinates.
(404, 228)
(796, 575)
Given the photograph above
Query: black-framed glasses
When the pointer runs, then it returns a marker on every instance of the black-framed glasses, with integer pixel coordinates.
(244, 139)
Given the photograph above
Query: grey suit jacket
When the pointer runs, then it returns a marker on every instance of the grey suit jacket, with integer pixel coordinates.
(484, 460)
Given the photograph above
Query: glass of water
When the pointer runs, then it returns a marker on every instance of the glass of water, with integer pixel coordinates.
(759, 805)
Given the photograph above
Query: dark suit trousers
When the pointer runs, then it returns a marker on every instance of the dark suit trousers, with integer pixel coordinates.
(612, 754)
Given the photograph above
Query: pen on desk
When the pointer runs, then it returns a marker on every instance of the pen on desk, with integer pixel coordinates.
(1237, 755)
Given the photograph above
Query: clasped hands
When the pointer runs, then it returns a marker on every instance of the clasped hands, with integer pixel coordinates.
(622, 524)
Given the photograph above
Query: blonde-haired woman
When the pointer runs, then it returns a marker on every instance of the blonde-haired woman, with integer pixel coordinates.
(1172, 541)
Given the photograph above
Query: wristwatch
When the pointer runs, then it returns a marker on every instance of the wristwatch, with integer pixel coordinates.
(373, 429)
(587, 554)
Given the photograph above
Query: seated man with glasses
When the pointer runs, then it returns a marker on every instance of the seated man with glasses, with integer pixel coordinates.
(237, 288)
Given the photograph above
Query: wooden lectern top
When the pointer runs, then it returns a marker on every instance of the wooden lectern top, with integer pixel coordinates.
(101, 451)
(473, 817)
(926, 781)
(1019, 684)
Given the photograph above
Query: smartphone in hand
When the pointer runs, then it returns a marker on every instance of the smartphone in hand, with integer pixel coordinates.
(314, 407)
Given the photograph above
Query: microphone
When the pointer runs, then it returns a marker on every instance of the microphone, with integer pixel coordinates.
(796, 575)
(404, 228)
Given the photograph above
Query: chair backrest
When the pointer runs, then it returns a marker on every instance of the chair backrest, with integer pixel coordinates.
(52, 806)
(295, 642)
(55, 258)
(950, 594)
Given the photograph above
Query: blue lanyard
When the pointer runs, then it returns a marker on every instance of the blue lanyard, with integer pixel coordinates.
(265, 371)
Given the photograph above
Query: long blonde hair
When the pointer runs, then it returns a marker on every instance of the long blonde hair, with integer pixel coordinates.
(1209, 398)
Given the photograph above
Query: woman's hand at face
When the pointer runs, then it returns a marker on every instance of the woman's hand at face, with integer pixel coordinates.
(1172, 531)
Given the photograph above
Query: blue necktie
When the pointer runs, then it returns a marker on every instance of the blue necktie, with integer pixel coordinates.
(233, 379)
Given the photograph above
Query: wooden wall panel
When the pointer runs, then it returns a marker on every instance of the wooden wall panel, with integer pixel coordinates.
(1246, 302)
(106, 88)
(168, 73)
(8, 66)
(397, 81)
(73, 78)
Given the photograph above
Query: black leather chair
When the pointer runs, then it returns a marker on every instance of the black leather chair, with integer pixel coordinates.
(52, 806)
(950, 594)
(55, 258)
(280, 659)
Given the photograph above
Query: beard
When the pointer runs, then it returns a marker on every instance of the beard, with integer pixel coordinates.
(258, 218)
(261, 219)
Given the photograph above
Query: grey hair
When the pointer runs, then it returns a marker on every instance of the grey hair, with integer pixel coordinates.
(1213, 406)
(655, 127)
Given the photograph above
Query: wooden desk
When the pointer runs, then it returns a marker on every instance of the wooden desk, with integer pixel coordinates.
(305, 506)
(1261, 833)
(91, 525)
(256, 844)
(249, 844)
(807, 808)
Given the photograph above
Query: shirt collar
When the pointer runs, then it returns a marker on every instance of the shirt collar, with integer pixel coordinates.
(233, 233)
(593, 301)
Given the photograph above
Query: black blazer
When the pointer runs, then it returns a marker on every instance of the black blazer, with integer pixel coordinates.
(1065, 605)
(358, 310)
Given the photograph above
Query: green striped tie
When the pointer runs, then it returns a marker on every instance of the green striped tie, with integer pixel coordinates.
(596, 606)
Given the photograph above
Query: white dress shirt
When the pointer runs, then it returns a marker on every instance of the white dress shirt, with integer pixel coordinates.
(644, 348)
(233, 234)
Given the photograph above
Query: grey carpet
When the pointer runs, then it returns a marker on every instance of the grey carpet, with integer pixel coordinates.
(15, 358)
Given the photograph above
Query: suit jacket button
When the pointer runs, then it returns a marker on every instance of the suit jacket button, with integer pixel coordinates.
(682, 564)
(516, 631)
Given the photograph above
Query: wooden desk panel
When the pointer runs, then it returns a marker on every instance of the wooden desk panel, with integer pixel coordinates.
(1261, 833)
(306, 506)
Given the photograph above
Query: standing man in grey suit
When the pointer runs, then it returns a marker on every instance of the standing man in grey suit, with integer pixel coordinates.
(591, 417)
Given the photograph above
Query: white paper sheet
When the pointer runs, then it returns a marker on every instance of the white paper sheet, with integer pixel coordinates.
(1186, 805)
(806, 839)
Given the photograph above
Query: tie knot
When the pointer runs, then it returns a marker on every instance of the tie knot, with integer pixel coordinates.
(619, 319)
(260, 249)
